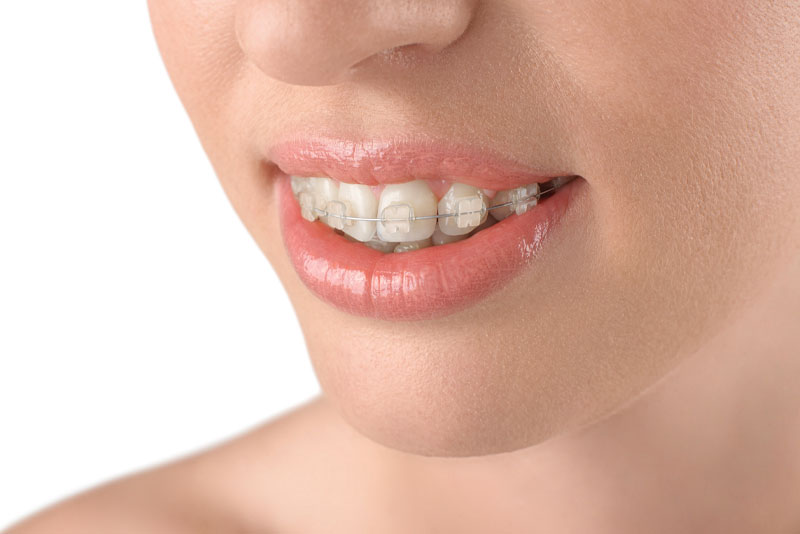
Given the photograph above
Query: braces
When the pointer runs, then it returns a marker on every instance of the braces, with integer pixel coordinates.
(411, 217)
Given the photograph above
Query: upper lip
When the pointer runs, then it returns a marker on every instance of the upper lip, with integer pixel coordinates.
(394, 161)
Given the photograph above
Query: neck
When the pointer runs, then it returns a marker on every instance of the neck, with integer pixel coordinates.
(712, 447)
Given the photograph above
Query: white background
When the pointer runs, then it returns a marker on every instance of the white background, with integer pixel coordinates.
(138, 320)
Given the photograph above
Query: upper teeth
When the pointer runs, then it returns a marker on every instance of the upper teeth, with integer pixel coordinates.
(408, 212)
(521, 198)
(324, 190)
(399, 210)
(359, 202)
(468, 204)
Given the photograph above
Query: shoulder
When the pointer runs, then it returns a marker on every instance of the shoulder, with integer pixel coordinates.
(134, 503)
(246, 480)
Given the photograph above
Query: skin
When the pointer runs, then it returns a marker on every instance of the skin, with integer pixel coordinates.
(639, 377)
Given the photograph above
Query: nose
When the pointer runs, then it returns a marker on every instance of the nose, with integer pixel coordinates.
(320, 42)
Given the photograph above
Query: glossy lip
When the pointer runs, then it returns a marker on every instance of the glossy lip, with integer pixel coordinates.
(421, 284)
(396, 161)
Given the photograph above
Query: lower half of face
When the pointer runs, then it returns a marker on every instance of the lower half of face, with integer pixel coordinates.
(506, 234)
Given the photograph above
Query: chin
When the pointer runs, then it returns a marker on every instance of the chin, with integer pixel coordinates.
(419, 397)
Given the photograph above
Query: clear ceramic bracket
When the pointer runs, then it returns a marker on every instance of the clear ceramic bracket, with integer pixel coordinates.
(521, 200)
(337, 214)
(397, 218)
(469, 211)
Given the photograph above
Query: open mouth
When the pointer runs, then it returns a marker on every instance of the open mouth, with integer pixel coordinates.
(408, 216)
(373, 244)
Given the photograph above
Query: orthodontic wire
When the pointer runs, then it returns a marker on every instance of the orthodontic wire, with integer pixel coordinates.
(537, 196)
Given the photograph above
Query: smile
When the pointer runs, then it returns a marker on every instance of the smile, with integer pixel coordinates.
(407, 216)
(460, 239)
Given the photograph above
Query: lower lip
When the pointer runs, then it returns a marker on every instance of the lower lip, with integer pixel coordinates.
(421, 284)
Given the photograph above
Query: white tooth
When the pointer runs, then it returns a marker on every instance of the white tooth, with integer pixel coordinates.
(325, 191)
(399, 204)
(408, 246)
(469, 205)
(441, 238)
(382, 246)
(358, 201)
(337, 210)
(301, 187)
(306, 201)
(519, 199)
(299, 183)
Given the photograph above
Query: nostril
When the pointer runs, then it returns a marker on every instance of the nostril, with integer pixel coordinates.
(398, 56)
(316, 42)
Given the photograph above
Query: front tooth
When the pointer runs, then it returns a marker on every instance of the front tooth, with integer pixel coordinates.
(413, 245)
(469, 205)
(521, 198)
(441, 238)
(358, 201)
(325, 191)
(398, 206)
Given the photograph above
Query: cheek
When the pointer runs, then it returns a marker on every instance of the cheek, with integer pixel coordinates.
(689, 113)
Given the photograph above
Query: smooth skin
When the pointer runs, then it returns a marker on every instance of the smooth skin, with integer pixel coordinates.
(641, 376)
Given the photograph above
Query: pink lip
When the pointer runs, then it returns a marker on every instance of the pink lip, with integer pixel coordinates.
(416, 285)
(379, 162)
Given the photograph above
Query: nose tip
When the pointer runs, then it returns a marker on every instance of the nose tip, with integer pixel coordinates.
(318, 42)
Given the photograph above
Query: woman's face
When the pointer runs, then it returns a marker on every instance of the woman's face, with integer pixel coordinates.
(680, 118)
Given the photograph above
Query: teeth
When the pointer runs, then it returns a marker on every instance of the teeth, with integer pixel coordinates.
(516, 196)
(406, 213)
(315, 194)
(469, 205)
(337, 211)
(441, 238)
(326, 193)
(299, 184)
(301, 188)
(358, 201)
(413, 245)
(398, 204)
(306, 201)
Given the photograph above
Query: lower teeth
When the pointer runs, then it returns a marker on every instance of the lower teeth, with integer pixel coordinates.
(407, 216)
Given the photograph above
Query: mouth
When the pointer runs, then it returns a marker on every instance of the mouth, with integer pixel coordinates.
(398, 231)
